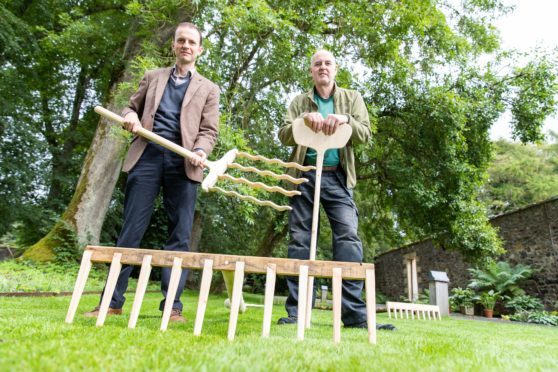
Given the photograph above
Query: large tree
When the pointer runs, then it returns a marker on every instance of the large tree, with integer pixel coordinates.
(418, 65)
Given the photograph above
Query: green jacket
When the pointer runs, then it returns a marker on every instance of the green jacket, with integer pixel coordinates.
(346, 102)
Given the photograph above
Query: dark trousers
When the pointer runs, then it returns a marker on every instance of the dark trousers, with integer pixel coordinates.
(337, 201)
(157, 167)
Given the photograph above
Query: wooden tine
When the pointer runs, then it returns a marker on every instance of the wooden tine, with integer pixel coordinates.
(114, 271)
(207, 274)
(140, 289)
(309, 301)
(236, 297)
(388, 306)
(412, 314)
(336, 290)
(302, 289)
(370, 283)
(268, 299)
(83, 274)
(174, 280)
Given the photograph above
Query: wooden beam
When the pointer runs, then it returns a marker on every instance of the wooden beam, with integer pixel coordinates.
(223, 262)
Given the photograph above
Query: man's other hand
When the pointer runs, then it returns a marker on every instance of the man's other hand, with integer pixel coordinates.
(332, 122)
(314, 120)
(131, 122)
(199, 159)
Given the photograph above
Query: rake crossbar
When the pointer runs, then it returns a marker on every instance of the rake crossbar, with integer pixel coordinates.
(237, 266)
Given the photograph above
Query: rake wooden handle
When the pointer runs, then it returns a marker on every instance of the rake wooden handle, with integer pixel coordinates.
(142, 132)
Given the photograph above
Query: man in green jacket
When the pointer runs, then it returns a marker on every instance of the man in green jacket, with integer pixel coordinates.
(324, 108)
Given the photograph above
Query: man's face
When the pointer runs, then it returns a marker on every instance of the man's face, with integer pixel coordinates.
(186, 45)
(323, 68)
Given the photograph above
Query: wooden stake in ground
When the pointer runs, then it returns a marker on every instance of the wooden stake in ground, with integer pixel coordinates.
(305, 136)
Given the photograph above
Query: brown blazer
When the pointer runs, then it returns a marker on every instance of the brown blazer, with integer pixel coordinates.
(199, 118)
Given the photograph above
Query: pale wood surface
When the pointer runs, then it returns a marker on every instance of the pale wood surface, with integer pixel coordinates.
(81, 279)
(265, 203)
(268, 299)
(222, 262)
(337, 295)
(309, 302)
(370, 284)
(401, 307)
(228, 277)
(204, 294)
(174, 280)
(140, 290)
(305, 136)
(302, 288)
(267, 173)
(259, 185)
(240, 264)
(236, 297)
(114, 271)
(304, 168)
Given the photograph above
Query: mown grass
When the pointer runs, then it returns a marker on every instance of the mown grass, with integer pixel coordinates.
(27, 276)
(33, 336)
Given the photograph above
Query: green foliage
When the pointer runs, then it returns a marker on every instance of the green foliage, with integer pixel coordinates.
(461, 298)
(27, 276)
(488, 299)
(66, 53)
(535, 99)
(44, 342)
(415, 62)
(520, 175)
(524, 303)
(538, 317)
(500, 277)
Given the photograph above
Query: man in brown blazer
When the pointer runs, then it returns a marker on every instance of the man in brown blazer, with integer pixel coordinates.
(182, 106)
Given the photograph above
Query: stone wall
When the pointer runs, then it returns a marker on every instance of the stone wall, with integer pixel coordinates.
(530, 237)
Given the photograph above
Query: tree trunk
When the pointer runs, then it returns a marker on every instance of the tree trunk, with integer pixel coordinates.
(272, 237)
(83, 219)
(86, 212)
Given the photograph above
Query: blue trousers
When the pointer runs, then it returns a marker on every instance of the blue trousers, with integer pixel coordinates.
(157, 168)
(337, 201)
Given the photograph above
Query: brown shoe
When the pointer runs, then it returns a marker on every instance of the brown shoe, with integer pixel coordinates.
(176, 316)
(95, 312)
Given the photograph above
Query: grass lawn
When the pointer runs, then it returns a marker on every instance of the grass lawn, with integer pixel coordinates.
(33, 336)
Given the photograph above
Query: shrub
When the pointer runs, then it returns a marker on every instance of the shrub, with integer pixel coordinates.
(461, 298)
(524, 303)
(501, 278)
(488, 299)
(538, 317)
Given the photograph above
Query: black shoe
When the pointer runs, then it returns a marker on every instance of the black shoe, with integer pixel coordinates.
(385, 327)
(287, 320)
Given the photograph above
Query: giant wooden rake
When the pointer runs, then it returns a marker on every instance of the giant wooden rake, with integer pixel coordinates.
(238, 265)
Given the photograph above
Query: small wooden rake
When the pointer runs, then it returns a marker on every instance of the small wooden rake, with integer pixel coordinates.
(218, 168)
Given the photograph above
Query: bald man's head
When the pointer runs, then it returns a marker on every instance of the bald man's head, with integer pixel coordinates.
(323, 68)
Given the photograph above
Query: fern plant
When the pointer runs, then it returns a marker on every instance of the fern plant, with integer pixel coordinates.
(501, 278)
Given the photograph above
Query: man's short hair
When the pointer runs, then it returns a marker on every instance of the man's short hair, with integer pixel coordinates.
(320, 51)
(188, 25)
